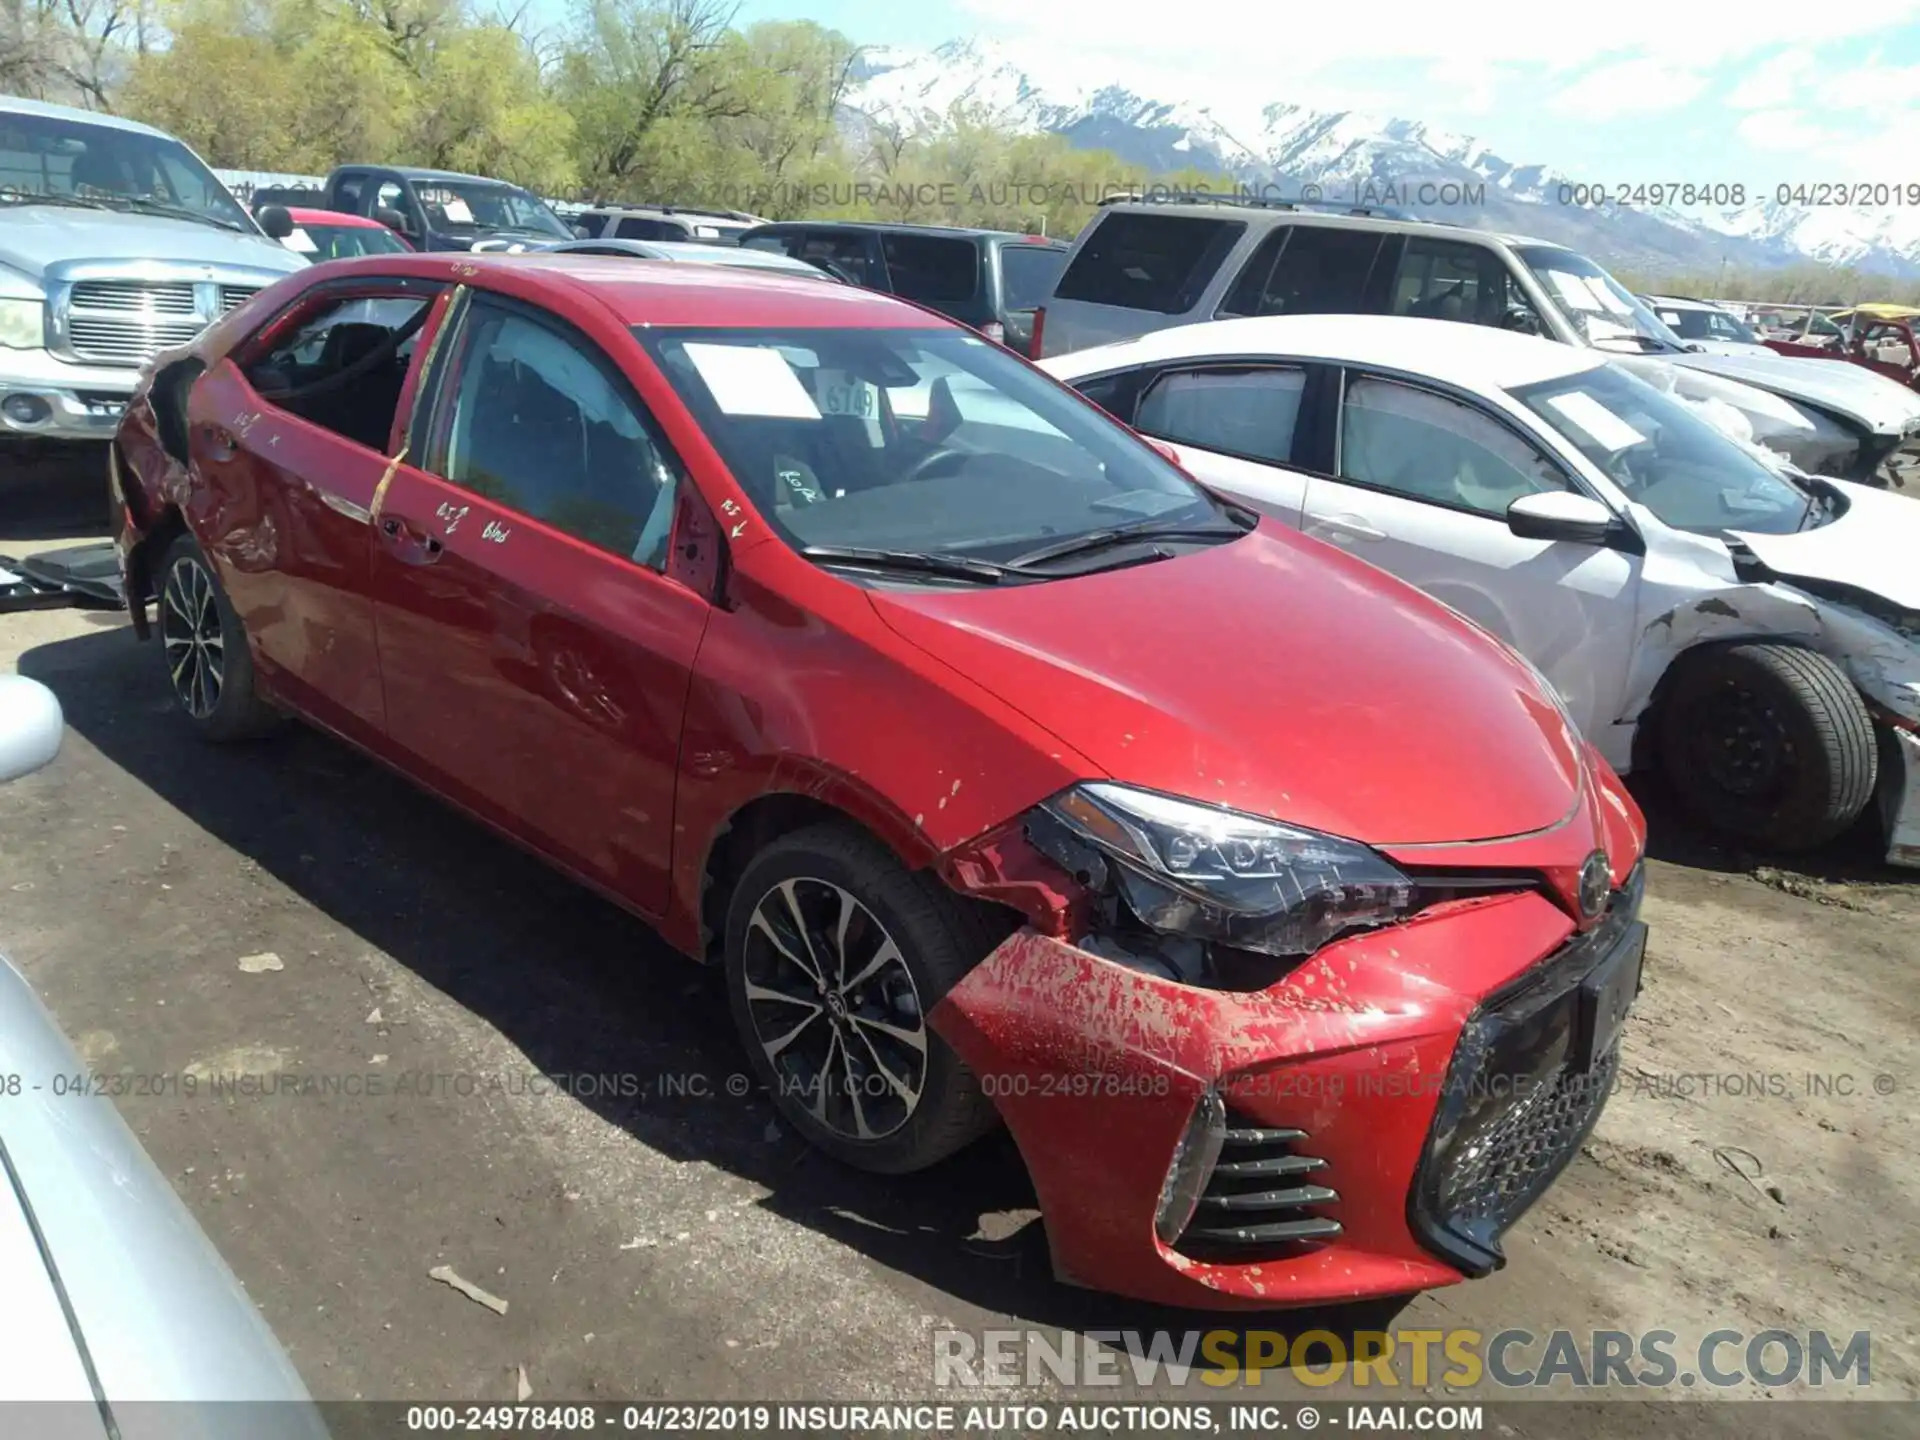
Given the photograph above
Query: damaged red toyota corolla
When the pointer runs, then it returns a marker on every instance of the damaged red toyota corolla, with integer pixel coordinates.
(1010, 775)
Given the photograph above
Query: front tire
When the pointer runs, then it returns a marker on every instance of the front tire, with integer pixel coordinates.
(208, 664)
(835, 955)
(1768, 744)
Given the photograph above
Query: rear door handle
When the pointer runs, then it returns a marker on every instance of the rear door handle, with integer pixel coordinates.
(220, 443)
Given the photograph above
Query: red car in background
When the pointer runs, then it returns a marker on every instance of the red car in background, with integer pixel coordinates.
(1010, 775)
(323, 235)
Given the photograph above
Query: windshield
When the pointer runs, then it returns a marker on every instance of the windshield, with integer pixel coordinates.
(1666, 457)
(48, 159)
(482, 205)
(918, 440)
(1605, 313)
(342, 242)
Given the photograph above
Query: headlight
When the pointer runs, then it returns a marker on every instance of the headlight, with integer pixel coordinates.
(1217, 875)
(23, 324)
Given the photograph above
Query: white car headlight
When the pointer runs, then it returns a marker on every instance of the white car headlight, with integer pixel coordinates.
(23, 324)
(1220, 876)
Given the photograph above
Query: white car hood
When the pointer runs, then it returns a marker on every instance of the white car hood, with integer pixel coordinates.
(35, 236)
(1882, 405)
(1874, 547)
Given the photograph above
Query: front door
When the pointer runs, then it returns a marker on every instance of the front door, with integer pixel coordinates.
(1234, 425)
(1424, 484)
(536, 659)
(291, 444)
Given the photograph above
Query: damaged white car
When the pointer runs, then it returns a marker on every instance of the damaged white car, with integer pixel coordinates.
(1751, 631)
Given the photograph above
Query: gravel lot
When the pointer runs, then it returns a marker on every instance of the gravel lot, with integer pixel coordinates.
(684, 1246)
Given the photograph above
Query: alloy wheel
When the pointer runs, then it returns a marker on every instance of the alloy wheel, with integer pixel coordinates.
(191, 636)
(835, 1009)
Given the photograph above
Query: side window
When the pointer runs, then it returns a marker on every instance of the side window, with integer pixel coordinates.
(1112, 393)
(1248, 412)
(1449, 280)
(344, 368)
(851, 252)
(544, 424)
(348, 193)
(778, 244)
(931, 268)
(1427, 447)
(391, 195)
(639, 227)
(1145, 261)
(1320, 270)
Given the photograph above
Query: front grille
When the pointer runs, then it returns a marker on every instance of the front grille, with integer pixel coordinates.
(1518, 1101)
(1259, 1199)
(125, 341)
(133, 297)
(232, 297)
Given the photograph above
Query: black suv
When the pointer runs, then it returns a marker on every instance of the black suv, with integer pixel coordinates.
(992, 280)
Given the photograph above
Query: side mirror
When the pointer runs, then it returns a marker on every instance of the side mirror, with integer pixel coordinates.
(275, 220)
(1521, 319)
(580, 232)
(31, 726)
(1561, 515)
(393, 219)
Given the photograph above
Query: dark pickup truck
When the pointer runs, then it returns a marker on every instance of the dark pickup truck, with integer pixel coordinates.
(441, 210)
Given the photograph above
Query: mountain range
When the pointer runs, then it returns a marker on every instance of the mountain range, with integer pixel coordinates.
(1375, 161)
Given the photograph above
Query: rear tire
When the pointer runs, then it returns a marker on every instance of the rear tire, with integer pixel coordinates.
(1768, 744)
(824, 906)
(205, 650)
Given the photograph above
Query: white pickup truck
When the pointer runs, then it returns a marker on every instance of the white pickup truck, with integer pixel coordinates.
(116, 242)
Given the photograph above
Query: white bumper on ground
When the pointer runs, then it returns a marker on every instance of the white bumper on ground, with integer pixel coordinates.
(1900, 800)
(48, 399)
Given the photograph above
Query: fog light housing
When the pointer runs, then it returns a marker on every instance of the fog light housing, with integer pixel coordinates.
(26, 409)
(1193, 1161)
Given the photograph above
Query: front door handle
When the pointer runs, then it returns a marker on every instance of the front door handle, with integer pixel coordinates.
(1350, 527)
(414, 547)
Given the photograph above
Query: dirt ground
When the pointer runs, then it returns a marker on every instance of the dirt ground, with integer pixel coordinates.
(1759, 1167)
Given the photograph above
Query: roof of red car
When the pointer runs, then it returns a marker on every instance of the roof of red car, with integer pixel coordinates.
(334, 217)
(660, 292)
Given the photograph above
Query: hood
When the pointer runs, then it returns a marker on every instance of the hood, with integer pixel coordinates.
(36, 236)
(1874, 547)
(1881, 405)
(1274, 675)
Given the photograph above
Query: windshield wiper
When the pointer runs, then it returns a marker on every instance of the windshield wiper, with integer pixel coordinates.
(176, 212)
(910, 562)
(1123, 535)
(30, 197)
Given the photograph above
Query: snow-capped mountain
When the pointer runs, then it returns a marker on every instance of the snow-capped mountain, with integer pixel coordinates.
(1379, 162)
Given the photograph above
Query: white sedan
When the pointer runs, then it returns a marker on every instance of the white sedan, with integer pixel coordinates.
(1752, 632)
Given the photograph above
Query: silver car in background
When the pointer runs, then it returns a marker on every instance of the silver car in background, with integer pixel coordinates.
(119, 1316)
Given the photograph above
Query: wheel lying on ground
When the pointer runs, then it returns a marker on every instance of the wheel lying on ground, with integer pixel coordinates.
(205, 649)
(835, 955)
(1768, 744)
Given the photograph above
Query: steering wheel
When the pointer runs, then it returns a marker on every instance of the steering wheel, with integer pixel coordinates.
(921, 469)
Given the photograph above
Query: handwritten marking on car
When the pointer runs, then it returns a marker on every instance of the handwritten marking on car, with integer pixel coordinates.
(730, 506)
(453, 514)
(496, 532)
(735, 532)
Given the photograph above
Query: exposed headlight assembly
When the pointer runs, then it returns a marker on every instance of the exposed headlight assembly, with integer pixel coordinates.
(23, 324)
(1221, 877)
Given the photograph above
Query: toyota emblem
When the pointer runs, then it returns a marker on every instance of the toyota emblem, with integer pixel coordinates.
(1596, 882)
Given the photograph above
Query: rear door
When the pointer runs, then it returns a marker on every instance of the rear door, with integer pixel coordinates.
(1418, 481)
(1313, 270)
(536, 658)
(1236, 426)
(290, 438)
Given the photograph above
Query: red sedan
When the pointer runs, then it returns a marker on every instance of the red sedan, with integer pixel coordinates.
(1011, 776)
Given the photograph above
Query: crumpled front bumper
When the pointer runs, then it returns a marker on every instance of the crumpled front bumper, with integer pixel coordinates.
(1097, 1069)
(1900, 795)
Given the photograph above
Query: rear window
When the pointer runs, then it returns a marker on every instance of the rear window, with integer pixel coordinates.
(639, 227)
(1028, 273)
(1307, 270)
(932, 268)
(1149, 262)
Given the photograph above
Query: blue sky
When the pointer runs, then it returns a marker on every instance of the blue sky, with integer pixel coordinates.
(1626, 91)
